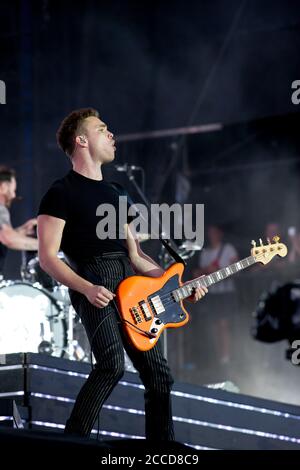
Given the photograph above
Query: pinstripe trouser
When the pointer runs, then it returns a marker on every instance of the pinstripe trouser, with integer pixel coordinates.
(108, 344)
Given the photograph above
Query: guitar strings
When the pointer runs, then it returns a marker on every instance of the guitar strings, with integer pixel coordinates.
(168, 300)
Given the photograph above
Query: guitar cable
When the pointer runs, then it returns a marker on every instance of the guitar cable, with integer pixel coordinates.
(145, 333)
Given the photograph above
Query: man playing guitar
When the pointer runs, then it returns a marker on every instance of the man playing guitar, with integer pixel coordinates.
(67, 221)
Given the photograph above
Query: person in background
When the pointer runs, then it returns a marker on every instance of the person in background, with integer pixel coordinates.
(294, 246)
(19, 238)
(221, 304)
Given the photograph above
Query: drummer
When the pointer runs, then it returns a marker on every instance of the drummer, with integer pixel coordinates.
(14, 238)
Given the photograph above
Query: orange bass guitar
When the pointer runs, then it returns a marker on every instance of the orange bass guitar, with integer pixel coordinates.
(148, 305)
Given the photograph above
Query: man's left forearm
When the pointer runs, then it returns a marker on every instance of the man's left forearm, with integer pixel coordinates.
(145, 266)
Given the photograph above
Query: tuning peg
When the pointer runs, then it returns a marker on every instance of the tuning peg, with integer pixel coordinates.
(253, 243)
(269, 241)
(260, 241)
(276, 239)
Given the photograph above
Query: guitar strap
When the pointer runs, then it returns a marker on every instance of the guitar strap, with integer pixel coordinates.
(166, 243)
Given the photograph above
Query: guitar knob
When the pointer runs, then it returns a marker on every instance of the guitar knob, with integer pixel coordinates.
(157, 322)
(154, 330)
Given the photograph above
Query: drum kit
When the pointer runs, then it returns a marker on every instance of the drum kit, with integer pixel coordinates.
(36, 315)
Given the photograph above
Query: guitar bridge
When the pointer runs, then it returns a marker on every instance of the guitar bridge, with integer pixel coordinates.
(136, 315)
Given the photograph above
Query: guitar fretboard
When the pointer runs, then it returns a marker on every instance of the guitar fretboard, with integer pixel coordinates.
(185, 291)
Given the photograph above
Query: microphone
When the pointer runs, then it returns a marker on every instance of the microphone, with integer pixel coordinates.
(126, 167)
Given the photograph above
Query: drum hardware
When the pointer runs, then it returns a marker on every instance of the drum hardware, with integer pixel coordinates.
(72, 349)
(45, 347)
(186, 250)
(31, 271)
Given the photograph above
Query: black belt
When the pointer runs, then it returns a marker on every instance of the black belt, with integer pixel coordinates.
(80, 267)
(109, 254)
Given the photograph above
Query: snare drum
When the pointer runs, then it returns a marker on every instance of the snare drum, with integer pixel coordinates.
(31, 320)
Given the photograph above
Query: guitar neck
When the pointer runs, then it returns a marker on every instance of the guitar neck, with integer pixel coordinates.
(187, 289)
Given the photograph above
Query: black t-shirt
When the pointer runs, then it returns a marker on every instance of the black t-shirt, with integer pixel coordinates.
(75, 199)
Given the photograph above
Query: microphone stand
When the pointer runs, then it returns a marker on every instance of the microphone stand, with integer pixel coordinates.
(23, 265)
(170, 245)
(166, 243)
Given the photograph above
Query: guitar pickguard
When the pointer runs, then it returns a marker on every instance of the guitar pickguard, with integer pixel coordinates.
(163, 306)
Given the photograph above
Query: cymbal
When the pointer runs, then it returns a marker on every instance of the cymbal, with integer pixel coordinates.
(189, 245)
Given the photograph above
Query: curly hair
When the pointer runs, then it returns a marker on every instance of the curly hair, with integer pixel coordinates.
(70, 127)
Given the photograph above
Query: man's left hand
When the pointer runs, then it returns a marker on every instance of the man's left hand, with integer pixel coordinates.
(198, 294)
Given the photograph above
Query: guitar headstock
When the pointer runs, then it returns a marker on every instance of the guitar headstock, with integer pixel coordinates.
(264, 253)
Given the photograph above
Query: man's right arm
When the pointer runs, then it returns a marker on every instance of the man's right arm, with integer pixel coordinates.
(50, 230)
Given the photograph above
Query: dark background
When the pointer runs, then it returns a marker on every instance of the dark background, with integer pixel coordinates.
(164, 65)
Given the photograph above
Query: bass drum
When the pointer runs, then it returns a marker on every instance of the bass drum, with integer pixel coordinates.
(31, 320)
